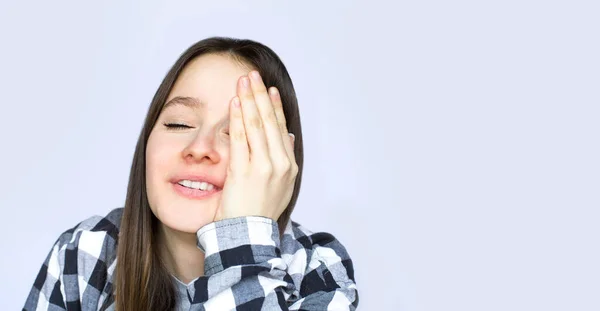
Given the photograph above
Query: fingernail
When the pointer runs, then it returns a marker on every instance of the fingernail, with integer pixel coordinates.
(236, 102)
(273, 91)
(255, 75)
(292, 135)
(245, 81)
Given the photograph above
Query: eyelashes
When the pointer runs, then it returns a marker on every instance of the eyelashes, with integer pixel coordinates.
(180, 126)
(176, 126)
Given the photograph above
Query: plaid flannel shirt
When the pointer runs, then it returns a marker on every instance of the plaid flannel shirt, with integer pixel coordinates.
(247, 267)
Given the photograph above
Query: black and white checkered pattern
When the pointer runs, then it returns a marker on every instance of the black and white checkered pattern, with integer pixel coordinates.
(247, 267)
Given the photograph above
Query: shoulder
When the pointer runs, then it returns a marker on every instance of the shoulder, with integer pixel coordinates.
(92, 232)
(89, 249)
(109, 223)
(91, 241)
(78, 268)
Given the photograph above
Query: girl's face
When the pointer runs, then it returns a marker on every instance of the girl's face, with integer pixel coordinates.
(196, 145)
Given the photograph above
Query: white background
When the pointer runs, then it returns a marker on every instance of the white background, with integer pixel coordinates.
(452, 146)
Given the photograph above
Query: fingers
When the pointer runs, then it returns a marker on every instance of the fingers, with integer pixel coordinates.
(253, 123)
(239, 153)
(272, 127)
(278, 108)
(283, 132)
(270, 148)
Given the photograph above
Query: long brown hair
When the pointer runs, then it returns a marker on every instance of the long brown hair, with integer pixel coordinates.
(141, 281)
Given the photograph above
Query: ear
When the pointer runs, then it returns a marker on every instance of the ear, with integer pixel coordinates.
(292, 138)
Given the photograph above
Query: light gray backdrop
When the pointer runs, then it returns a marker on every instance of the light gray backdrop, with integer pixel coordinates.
(452, 146)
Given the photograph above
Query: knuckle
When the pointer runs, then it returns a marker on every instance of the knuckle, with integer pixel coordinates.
(238, 135)
(294, 169)
(272, 117)
(237, 113)
(265, 170)
(283, 130)
(261, 91)
(256, 122)
(278, 104)
(284, 167)
(282, 120)
(247, 95)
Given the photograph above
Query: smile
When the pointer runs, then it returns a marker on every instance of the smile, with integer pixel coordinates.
(195, 192)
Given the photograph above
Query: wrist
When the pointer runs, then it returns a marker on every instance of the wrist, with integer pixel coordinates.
(238, 241)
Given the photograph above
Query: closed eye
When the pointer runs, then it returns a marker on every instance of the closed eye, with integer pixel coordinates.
(176, 126)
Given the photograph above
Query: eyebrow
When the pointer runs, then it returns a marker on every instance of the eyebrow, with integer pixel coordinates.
(190, 102)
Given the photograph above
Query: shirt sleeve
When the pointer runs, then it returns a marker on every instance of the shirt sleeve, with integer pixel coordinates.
(245, 271)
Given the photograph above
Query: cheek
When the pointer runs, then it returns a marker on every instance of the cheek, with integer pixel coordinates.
(225, 156)
(154, 153)
(223, 149)
(159, 158)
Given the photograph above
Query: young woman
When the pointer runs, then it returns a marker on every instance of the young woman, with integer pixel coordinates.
(206, 223)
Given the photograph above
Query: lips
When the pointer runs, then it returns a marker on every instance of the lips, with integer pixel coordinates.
(217, 182)
(194, 194)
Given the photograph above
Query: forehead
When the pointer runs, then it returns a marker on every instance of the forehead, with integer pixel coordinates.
(211, 79)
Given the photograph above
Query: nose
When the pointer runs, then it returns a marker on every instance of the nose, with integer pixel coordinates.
(201, 149)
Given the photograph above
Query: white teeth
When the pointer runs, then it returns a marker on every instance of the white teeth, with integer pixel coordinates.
(196, 184)
(204, 186)
(186, 183)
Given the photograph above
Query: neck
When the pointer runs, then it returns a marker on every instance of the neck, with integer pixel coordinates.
(180, 254)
